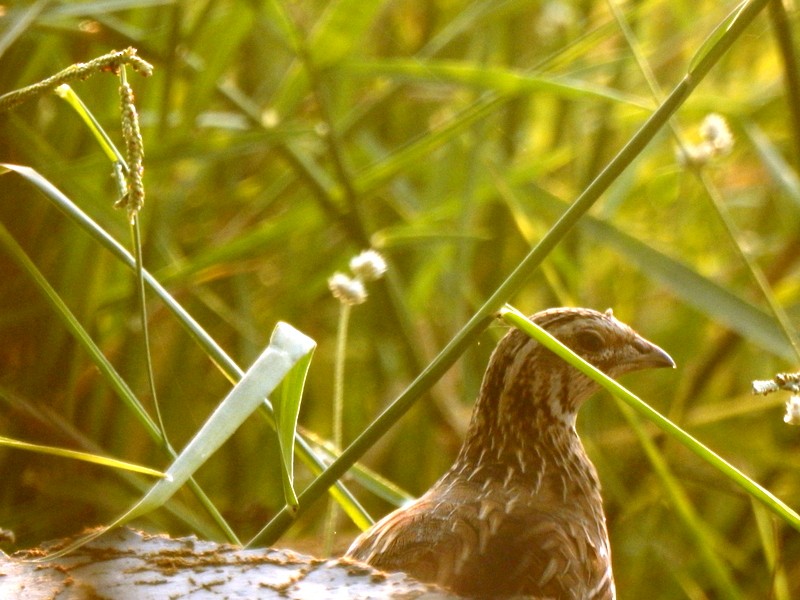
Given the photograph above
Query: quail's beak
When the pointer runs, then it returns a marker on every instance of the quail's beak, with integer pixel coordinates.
(649, 356)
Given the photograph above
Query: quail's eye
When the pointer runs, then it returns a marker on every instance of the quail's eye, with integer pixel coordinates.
(589, 341)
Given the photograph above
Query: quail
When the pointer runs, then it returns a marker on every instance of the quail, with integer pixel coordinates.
(520, 512)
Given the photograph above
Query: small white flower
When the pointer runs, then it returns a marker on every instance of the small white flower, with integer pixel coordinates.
(717, 140)
(694, 157)
(716, 132)
(347, 289)
(368, 266)
(764, 387)
(792, 416)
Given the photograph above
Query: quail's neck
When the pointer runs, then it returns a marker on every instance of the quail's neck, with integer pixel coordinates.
(525, 453)
(523, 441)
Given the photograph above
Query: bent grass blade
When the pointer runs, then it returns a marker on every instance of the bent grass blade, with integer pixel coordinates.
(287, 348)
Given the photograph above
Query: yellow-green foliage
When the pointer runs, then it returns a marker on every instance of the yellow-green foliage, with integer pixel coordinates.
(282, 138)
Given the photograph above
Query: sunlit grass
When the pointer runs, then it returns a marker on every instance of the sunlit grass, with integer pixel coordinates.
(283, 138)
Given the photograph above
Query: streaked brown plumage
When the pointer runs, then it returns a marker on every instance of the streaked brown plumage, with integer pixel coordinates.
(520, 512)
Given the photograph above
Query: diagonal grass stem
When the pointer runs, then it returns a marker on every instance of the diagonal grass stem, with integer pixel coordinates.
(701, 65)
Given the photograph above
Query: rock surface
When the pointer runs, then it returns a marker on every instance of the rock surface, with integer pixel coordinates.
(130, 564)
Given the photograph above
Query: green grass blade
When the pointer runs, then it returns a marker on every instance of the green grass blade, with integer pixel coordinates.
(375, 483)
(214, 55)
(186, 514)
(70, 97)
(713, 40)
(681, 503)
(337, 32)
(17, 24)
(287, 409)
(782, 172)
(77, 455)
(491, 78)
(773, 546)
(416, 151)
(74, 327)
(96, 7)
(701, 292)
(225, 363)
(79, 333)
(518, 277)
(340, 29)
(286, 348)
(767, 498)
(105, 367)
(350, 505)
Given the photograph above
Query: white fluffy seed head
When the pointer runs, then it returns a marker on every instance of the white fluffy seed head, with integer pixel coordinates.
(347, 290)
(368, 266)
(716, 132)
(792, 416)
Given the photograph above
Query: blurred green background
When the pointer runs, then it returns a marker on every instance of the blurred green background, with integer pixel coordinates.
(283, 137)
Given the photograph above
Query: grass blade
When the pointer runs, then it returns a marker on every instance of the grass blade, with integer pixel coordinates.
(497, 79)
(518, 277)
(287, 409)
(701, 292)
(767, 498)
(224, 362)
(286, 348)
(77, 455)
